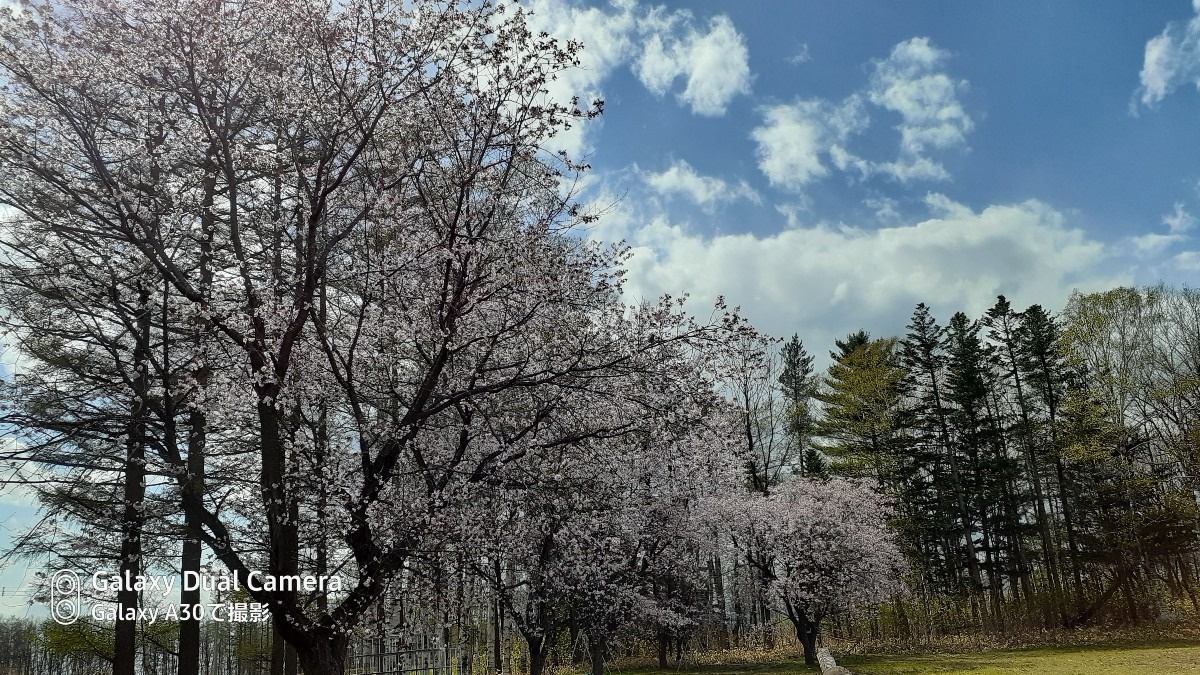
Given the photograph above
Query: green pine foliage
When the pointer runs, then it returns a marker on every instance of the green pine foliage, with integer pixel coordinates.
(1041, 469)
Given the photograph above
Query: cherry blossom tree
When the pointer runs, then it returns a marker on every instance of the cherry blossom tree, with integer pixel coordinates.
(578, 537)
(349, 214)
(823, 546)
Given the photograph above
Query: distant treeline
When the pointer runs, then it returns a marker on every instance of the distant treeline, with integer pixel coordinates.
(1043, 470)
(42, 647)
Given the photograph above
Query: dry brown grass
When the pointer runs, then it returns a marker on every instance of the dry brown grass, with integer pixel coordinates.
(1160, 649)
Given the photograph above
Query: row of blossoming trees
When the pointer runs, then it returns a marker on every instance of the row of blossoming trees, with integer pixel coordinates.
(295, 290)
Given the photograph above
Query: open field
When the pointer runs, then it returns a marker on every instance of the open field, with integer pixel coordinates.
(1125, 659)
(1159, 657)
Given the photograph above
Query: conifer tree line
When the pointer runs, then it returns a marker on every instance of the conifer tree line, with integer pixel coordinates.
(1041, 468)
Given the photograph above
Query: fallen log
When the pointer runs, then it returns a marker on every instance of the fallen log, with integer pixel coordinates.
(828, 665)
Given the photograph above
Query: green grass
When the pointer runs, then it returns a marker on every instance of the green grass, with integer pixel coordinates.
(765, 668)
(1163, 657)
(1150, 659)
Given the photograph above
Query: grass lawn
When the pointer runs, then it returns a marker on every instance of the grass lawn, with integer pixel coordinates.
(1157, 658)
(1093, 660)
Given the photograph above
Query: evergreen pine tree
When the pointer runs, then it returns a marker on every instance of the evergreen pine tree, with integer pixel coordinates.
(949, 517)
(798, 384)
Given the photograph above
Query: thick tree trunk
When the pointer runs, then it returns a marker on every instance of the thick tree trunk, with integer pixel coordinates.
(902, 625)
(966, 525)
(1016, 546)
(291, 662)
(988, 543)
(537, 653)
(1063, 498)
(1068, 522)
(806, 631)
(323, 656)
(956, 487)
(738, 607)
(193, 488)
(764, 608)
(277, 496)
(278, 652)
(664, 644)
(596, 654)
(1131, 604)
(133, 516)
(189, 629)
(1185, 578)
(125, 647)
(573, 633)
(806, 635)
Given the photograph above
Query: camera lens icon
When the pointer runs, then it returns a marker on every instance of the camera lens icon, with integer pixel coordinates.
(64, 597)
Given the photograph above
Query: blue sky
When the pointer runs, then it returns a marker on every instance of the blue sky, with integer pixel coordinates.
(828, 165)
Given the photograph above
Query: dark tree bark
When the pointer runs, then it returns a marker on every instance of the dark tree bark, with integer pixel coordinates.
(596, 654)
(718, 585)
(193, 485)
(134, 517)
(807, 631)
(324, 656)
(189, 629)
(536, 642)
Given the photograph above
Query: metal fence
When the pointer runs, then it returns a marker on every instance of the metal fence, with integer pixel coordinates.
(372, 660)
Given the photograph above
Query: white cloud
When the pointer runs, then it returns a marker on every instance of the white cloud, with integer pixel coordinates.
(940, 204)
(825, 281)
(1179, 220)
(884, 208)
(1188, 261)
(1150, 245)
(913, 168)
(801, 56)
(790, 143)
(849, 162)
(1153, 244)
(660, 45)
(715, 64)
(795, 211)
(794, 137)
(1172, 58)
(799, 142)
(909, 82)
(705, 191)
(657, 68)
